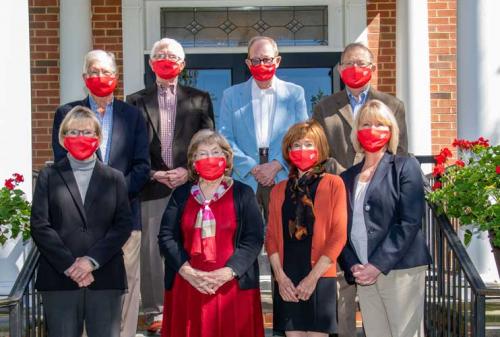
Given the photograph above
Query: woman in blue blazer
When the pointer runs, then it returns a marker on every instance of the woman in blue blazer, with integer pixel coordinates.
(386, 254)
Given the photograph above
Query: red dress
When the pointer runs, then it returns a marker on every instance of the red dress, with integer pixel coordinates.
(230, 312)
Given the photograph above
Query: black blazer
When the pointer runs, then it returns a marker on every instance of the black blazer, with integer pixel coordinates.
(393, 211)
(129, 147)
(194, 112)
(64, 228)
(248, 239)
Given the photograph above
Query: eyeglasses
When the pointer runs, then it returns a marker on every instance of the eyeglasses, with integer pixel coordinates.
(357, 64)
(76, 132)
(306, 145)
(97, 73)
(206, 154)
(266, 60)
(170, 57)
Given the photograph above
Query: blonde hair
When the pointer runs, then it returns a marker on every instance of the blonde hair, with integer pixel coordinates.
(255, 39)
(208, 137)
(164, 43)
(309, 129)
(79, 113)
(378, 111)
(98, 55)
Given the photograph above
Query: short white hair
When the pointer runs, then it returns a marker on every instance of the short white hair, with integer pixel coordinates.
(166, 42)
(98, 55)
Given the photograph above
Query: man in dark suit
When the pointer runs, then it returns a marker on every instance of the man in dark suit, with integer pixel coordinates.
(125, 148)
(174, 113)
(336, 115)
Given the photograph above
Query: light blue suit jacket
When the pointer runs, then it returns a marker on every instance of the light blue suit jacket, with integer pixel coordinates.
(236, 123)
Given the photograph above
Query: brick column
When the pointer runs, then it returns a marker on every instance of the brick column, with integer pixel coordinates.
(44, 49)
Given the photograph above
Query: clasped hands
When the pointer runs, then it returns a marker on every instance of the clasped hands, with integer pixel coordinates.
(291, 293)
(172, 178)
(265, 173)
(206, 282)
(365, 274)
(81, 272)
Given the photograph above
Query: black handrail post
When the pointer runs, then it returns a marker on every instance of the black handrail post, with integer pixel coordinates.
(479, 320)
(15, 320)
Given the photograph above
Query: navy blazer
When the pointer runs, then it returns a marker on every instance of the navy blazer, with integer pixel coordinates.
(393, 211)
(248, 239)
(64, 227)
(129, 147)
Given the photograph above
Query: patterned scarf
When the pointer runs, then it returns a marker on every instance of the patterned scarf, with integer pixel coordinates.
(205, 226)
(300, 188)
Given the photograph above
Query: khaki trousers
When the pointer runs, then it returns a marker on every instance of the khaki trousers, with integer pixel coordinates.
(152, 285)
(132, 259)
(394, 305)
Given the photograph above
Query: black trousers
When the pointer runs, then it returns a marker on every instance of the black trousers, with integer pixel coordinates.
(67, 311)
(263, 192)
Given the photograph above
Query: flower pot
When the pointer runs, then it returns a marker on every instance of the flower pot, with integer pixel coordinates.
(12, 256)
(481, 253)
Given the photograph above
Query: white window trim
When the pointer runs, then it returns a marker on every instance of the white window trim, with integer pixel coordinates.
(344, 17)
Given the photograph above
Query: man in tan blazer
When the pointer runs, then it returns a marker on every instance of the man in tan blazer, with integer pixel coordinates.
(336, 114)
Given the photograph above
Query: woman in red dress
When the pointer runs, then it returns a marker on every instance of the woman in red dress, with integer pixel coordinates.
(210, 236)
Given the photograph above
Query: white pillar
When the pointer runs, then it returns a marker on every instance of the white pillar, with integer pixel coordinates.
(478, 69)
(478, 80)
(15, 119)
(75, 22)
(413, 73)
(133, 45)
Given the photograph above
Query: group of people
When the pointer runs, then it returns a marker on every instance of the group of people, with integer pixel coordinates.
(151, 201)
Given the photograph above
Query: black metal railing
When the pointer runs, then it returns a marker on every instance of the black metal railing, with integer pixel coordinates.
(456, 296)
(24, 305)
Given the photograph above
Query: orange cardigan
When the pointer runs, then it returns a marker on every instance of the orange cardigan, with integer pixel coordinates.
(330, 225)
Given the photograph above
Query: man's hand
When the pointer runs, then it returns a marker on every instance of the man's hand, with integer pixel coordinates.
(265, 173)
(367, 275)
(86, 281)
(172, 178)
(80, 269)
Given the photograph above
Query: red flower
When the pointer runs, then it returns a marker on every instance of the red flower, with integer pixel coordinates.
(438, 170)
(437, 185)
(460, 163)
(18, 177)
(440, 159)
(446, 152)
(9, 184)
(498, 169)
(481, 142)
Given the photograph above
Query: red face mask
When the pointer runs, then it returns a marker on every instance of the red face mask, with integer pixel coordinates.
(81, 147)
(101, 86)
(263, 72)
(210, 168)
(356, 77)
(303, 159)
(372, 140)
(166, 69)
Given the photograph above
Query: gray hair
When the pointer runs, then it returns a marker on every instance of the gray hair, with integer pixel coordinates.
(356, 45)
(98, 55)
(164, 43)
(260, 38)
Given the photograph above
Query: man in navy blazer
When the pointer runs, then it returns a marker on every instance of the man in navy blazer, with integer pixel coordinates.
(125, 148)
(254, 117)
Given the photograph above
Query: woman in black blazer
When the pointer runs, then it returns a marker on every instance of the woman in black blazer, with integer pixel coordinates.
(211, 234)
(386, 254)
(80, 219)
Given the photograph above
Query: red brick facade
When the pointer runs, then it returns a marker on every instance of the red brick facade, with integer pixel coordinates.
(107, 35)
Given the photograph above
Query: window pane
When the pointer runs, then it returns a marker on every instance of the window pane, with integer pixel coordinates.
(317, 82)
(234, 26)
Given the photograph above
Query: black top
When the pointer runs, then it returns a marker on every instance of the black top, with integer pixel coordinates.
(248, 239)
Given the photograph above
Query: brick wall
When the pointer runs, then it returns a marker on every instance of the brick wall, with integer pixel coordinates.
(381, 16)
(44, 63)
(107, 32)
(442, 58)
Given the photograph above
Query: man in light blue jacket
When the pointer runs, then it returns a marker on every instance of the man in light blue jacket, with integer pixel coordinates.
(254, 117)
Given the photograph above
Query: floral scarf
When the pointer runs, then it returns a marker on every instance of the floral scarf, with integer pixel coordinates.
(301, 224)
(205, 226)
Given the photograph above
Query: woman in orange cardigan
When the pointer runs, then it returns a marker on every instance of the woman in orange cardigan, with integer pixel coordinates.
(305, 235)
